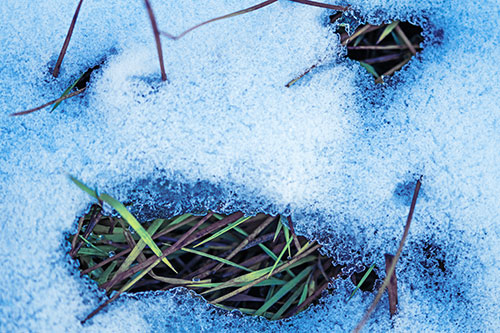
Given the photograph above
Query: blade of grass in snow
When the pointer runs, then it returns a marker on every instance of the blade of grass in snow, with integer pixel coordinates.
(139, 247)
(388, 29)
(290, 285)
(287, 245)
(92, 245)
(370, 69)
(226, 229)
(278, 229)
(131, 220)
(107, 272)
(138, 228)
(227, 262)
(66, 92)
(303, 295)
(287, 238)
(287, 304)
(365, 276)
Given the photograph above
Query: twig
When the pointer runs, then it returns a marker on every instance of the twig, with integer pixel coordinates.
(55, 73)
(394, 261)
(392, 288)
(239, 12)
(60, 99)
(156, 32)
(322, 5)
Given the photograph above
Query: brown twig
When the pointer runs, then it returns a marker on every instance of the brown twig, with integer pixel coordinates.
(322, 5)
(239, 12)
(156, 32)
(392, 288)
(394, 261)
(55, 72)
(60, 99)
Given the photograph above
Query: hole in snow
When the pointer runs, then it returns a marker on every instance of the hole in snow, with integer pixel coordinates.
(255, 264)
(381, 49)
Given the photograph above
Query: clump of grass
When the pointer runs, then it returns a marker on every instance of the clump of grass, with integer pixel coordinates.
(256, 264)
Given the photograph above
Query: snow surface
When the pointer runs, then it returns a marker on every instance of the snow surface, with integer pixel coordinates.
(337, 151)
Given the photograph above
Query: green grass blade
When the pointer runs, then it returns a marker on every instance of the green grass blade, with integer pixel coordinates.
(370, 69)
(179, 219)
(287, 245)
(290, 285)
(227, 262)
(92, 245)
(139, 247)
(105, 275)
(226, 229)
(287, 238)
(67, 91)
(362, 281)
(287, 304)
(84, 187)
(139, 229)
(278, 229)
(303, 295)
(387, 31)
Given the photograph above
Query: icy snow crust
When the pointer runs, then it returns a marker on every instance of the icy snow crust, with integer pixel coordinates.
(339, 152)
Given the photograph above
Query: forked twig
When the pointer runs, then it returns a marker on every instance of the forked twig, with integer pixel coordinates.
(156, 32)
(390, 271)
(55, 73)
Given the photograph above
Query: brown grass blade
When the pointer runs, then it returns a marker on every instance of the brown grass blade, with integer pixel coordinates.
(57, 67)
(60, 99)
(394, 261)
(405, 39)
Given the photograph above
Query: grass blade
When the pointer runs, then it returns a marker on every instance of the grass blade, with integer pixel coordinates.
(283, 291)
(66, 92)
(369, 68)
(139, 247)
(139, 229)
(227, 262)
(387, 31)
(226, 229)
(365, 276)
(22, 113)
(288, 303)
(84, 187)
(278, 229)
(287, 246)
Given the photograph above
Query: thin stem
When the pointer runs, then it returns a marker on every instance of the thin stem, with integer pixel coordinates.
(239, 12)
(60, 99)
(55, 73)
(390, 271)
(156, 32)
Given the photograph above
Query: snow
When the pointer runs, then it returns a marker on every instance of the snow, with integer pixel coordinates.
(337, 151)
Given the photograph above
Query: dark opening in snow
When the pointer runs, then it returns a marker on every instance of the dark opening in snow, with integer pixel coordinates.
(255, 264)
(381, 49)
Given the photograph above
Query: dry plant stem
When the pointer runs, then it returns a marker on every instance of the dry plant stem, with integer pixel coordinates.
(295, 239)
(394, 261)
(60, 99)
(381, 47)
(322, 5)
(75, 238)
(156, 32)
(239, 12)
(392, 288)
(55, 73)
(405, 39)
